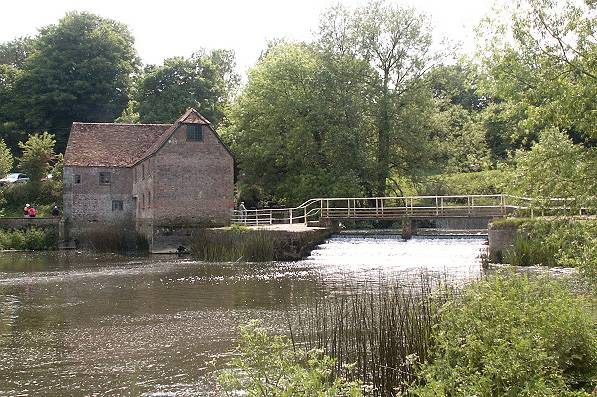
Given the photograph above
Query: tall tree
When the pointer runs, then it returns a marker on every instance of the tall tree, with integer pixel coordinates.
(299, 129)
(79, 70)
(543, 63)
(204, 81)
(395, 42)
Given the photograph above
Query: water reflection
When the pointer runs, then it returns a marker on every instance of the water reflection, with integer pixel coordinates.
(72, 323)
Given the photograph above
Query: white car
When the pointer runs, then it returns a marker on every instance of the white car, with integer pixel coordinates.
(14, 178)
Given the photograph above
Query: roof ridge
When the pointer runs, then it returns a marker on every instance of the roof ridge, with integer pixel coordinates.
(85, 123)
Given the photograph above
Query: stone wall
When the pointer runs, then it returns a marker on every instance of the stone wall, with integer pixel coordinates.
(500, 240)
(88, 204)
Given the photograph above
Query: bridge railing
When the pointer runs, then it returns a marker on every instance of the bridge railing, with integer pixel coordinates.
(479, 205)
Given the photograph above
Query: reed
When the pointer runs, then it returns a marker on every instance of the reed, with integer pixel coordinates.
(114, 240)
(234, 245)
(381, 333)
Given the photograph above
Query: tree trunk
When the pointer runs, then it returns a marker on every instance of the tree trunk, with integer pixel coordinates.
(383, 139)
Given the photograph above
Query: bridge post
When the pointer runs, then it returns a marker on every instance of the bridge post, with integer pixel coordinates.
(290, 215)
(408, 228)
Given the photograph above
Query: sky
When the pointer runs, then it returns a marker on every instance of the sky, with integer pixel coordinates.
(180, 27)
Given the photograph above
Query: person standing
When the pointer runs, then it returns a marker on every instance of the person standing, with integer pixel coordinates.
(55, 212)
(26, 210)
(243, 212)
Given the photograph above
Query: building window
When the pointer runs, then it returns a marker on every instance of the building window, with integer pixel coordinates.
(149, 199)
(77, 178)
(194, 132)
(105, 178)
(117, 205)
(143, 201)
(142, 171)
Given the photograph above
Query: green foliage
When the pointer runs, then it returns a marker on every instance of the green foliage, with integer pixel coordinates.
(269, 366)
(541, 62)
(395, 43)
(77, 70)
(482, 182)
(291, 139)
(28, 239)
(512, 336)
(37, 152)
(15, 52)
(555, 167)
(561, 242)
(6, 159)
(43, 196)
(204, 82)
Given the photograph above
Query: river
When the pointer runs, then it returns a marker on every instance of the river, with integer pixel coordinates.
(96, 325)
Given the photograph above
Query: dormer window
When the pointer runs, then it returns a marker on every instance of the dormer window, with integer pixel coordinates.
(194, 132)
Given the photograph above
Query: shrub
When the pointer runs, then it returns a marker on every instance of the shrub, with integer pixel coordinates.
(28, 239)
(555, 242)
(269, 366)
(512, 336)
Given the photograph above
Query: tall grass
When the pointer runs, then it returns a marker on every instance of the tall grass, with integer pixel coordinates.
(380, 332)
(529, 252)
(234, 245)
(114, 240)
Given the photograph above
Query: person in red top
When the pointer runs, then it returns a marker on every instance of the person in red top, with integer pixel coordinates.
(32, 212)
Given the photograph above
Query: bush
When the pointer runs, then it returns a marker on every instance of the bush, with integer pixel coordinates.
(512, 336)
(269, 366)
(555, 242)
(28, 239)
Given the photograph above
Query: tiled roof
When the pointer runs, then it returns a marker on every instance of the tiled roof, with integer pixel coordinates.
(110, 144)
(122, 145)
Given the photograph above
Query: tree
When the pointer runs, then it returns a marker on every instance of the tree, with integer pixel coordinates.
(543, 64)
(395, 42)
(78, 70)
(15, 52)
(299, 128)
(37, 153)
(6, 159)
(205, 82)
(556, 167)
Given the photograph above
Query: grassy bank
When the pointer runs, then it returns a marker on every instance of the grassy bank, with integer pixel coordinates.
(569, 242)
(244, 244)
(28, 239)
(504, 335)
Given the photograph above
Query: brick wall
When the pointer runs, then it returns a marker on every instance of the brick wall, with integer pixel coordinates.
(193, 181)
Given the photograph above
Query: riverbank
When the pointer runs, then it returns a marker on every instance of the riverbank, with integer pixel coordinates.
(548, 241)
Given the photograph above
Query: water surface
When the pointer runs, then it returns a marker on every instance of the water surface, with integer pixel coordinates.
(80, 324)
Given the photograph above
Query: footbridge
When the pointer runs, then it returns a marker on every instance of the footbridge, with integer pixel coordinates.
(404, 208)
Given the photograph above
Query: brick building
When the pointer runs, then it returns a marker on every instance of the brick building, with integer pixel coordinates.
(161, 180)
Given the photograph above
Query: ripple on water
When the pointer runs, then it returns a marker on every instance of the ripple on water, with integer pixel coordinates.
(109, 325)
